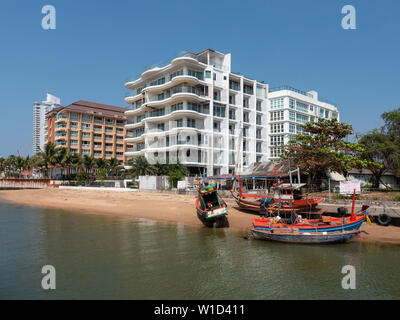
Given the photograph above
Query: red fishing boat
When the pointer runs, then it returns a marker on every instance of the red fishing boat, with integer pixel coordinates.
(295, 229)
(287, 195)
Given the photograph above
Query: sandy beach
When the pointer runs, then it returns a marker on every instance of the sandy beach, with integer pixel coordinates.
(154, 206)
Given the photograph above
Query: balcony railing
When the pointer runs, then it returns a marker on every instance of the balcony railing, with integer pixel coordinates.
(234, 86)
(167, 111)
(248, 90)
(175, 90)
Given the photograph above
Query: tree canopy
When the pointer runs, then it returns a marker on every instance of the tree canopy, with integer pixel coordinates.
(323, 148)
(382, 145)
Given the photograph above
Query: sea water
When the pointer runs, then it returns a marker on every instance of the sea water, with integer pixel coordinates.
(108, 257)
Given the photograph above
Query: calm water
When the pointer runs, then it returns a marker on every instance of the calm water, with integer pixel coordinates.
(102, 257)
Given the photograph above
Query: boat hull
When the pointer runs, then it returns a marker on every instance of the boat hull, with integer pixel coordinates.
(252, 202)
(306, 238)
(213, 218)
(265, 225)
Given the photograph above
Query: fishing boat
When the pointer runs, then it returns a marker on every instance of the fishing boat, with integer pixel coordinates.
(287, 195)
(210, 207)
(307, 238)
(295, 229)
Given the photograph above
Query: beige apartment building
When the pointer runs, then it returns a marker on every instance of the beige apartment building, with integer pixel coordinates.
(89, 128)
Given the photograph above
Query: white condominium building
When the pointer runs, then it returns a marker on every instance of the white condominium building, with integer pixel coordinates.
(289, 109)
(39, 119)
(194, 110)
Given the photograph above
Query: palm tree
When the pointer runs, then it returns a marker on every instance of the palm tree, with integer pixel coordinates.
(48, 156)
(20, 164)
(88, 163)
(159, 169)
(36, 161)
(140, 166)
(61, 157)
(10, 165)
(2, 165)
(101, 163)
(113, 164)
(76, 161)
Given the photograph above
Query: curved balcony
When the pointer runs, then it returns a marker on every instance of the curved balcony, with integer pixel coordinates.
(131, 99)
(178, 130)
(135, 139)
(159, 67)
(134, 153)
(179, 93)
(176, 114)
(132, 112)
(134, 125)
(177, 96)
(175, 147)
(175, 81)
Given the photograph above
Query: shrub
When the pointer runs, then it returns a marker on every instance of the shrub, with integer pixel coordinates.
(102, 175)
(397, 198)
(174, 176)
(82, 177)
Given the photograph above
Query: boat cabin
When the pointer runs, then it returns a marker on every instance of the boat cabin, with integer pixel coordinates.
(209, 198)
(288, 191)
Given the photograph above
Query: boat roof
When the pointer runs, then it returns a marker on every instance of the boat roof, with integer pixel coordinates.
(291, 185)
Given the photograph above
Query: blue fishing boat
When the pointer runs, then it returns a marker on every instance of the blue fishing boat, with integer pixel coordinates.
(305, 237)
(295, 229)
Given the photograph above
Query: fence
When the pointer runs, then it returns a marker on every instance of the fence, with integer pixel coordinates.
(20, 183)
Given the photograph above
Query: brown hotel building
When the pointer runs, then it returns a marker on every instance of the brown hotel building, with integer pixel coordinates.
(89, 128)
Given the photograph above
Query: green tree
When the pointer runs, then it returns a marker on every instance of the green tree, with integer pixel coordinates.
(323, 148)
(174, 176)
(101, 163)
(379, 148)
(76, 162)
(48, 156)
(140, 166)
(61, 157)
(2, 165)
(82, 177)
(101, 175)
(160, 169)
(113, 164)
(88, 163)
(392, 129)
(10, 165)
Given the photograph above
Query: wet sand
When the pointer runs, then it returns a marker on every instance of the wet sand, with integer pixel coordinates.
(165, 207)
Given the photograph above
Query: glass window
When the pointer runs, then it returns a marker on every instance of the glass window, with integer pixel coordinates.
(85, 126)
(219, 111)
(301, 106)
(277, 103)
(74, 116)
(291, 103)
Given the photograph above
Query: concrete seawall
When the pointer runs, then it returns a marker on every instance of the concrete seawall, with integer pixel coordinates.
(16, 183)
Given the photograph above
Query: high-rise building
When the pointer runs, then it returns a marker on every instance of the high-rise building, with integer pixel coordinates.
(39, 118)
(88, 128)
(194, 110)
(289, 108)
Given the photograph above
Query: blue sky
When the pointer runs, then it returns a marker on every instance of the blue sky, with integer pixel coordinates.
(98, 45)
